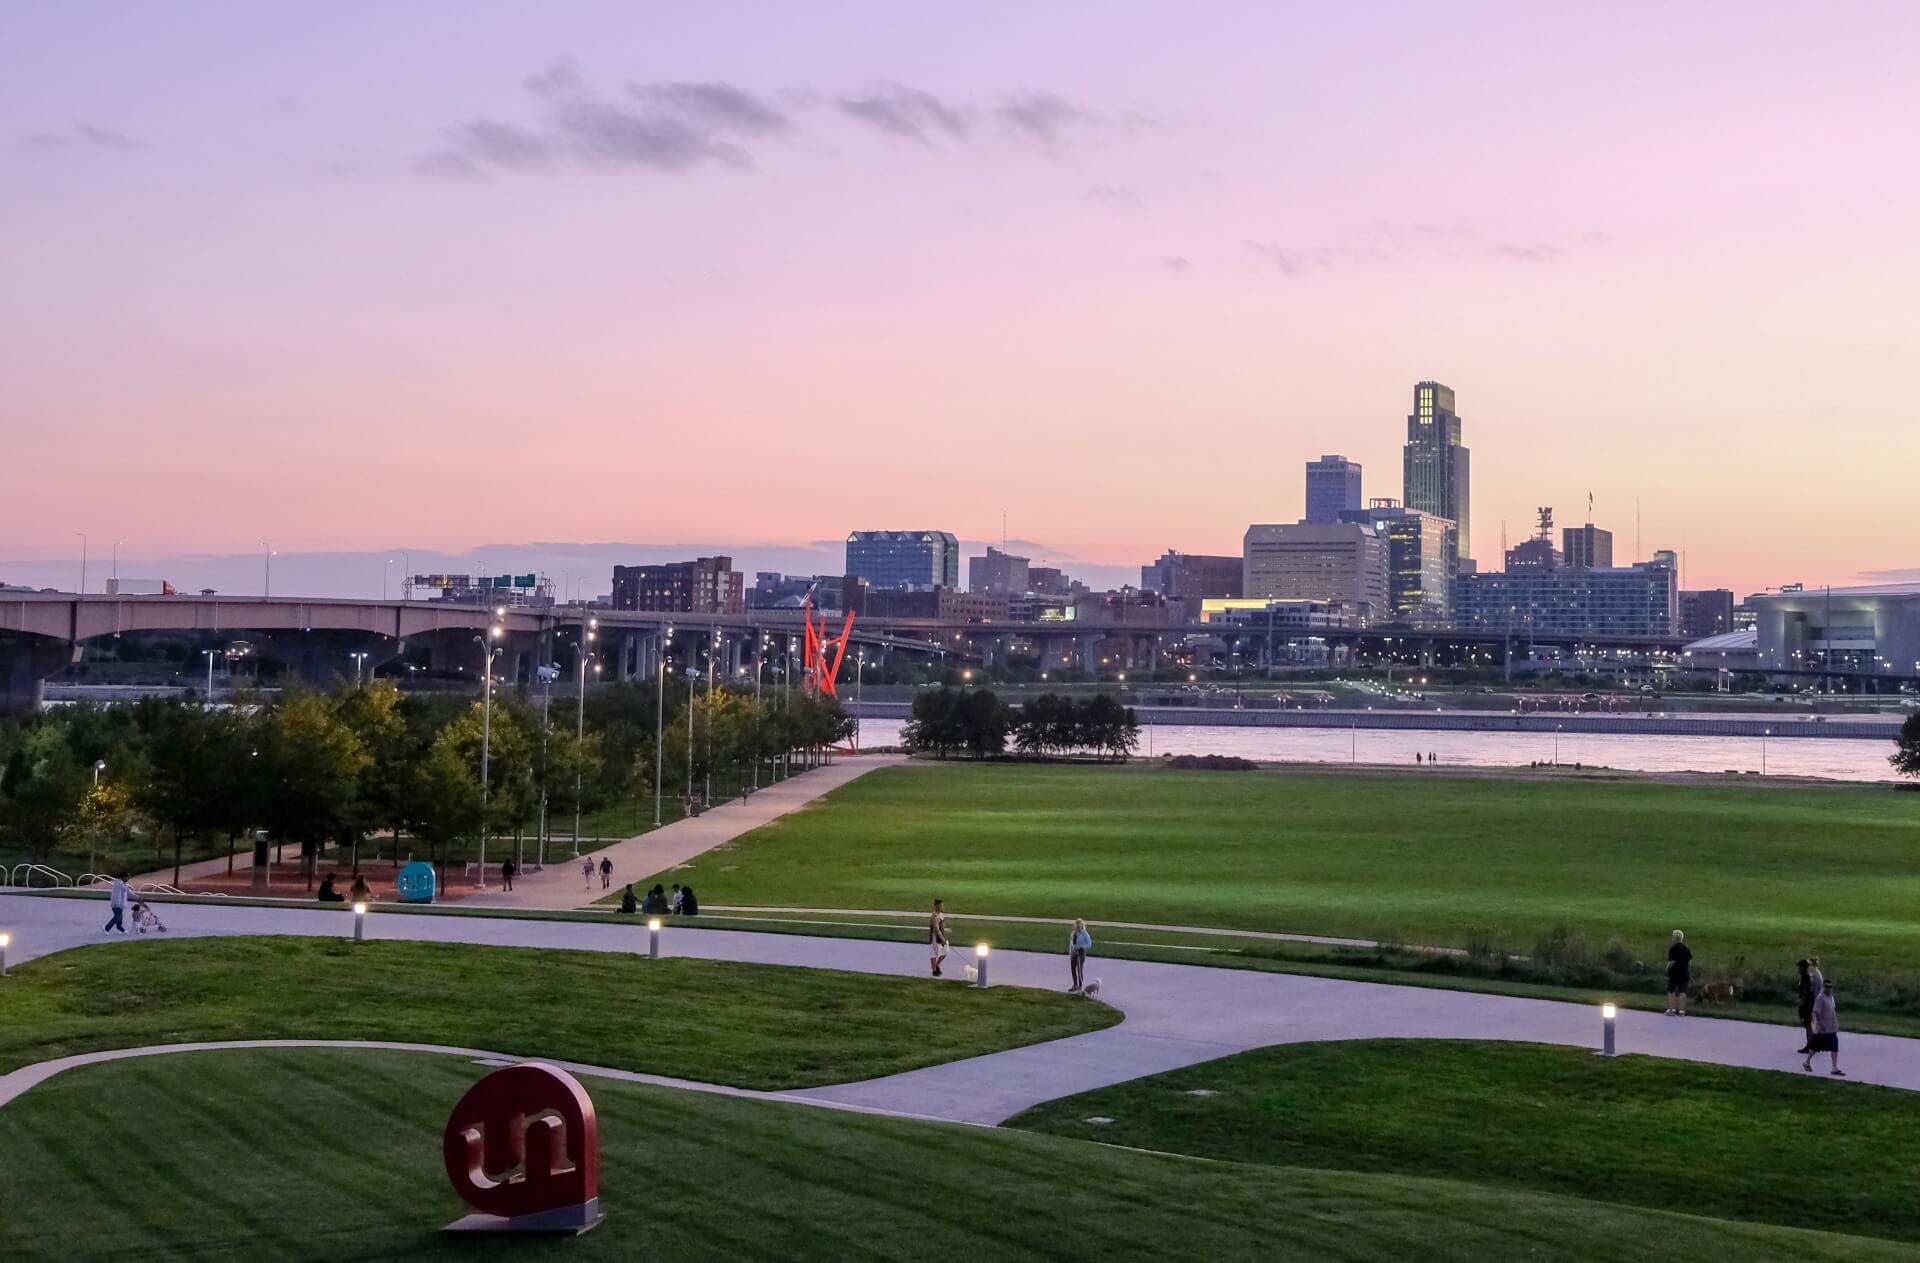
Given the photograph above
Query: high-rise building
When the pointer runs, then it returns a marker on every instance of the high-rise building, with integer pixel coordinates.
(1197, 575)
(1435, 472)
(1048, 581)
(1706, 612)
(1587, 547)
(1422, 559)
(1333, 488)
(905, 560)
(1618, 601)
(1319, 561)
(705, 585)
(1537, 553)
(998, 572)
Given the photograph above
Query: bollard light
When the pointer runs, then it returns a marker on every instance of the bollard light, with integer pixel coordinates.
(980, 968)
(1607, 1012)
(359, 922)
(653, 939)
(4, 940)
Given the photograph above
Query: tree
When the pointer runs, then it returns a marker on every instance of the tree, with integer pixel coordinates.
(185, 778)
(106, 817)
(374, 715)
(443, 796)
(947, 719)
(1906, 755)
(313, 766)
(511, 799)
(41, 790)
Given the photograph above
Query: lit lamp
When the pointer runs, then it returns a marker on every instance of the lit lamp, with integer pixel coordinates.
(653, 939)
(980, 969)
(4, 940)
(359, 922)
(1607, 1012)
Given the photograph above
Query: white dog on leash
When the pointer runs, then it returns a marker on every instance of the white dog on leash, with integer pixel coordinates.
(1091, 990)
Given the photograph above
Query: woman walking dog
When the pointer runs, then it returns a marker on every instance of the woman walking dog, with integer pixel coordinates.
(1079, 943)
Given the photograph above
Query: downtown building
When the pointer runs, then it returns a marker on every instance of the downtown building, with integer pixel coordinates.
(1333, 488)
(1637, 600)
(1435, 467)
(904, 561)
(1860, 630)
(998, 572)
(1706, 612)
(1422, 560)
(1343, 562)
(705, 585)
(1193, 576)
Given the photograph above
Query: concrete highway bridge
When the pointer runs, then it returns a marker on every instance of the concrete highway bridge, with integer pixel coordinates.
(320, 638)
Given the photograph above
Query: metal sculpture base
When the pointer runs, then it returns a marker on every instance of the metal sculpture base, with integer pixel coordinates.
(563, 1221)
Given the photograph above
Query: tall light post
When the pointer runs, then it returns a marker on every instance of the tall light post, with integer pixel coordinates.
(759, 716)
(116, 564)
(859, 682)
(359, 668)
(491, 651)
(267, 589)
(99, 766)
(689, 799)
(83, 561)
(1764, 734)
(660, 726)
(587, 633)
(209, 653)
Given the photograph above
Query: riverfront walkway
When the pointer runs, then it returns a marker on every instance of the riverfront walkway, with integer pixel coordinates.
(1175, 1015)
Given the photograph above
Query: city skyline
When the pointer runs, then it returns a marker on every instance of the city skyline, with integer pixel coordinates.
(595, 276)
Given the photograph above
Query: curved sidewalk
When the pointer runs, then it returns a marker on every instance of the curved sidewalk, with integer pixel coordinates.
(1176, 1015)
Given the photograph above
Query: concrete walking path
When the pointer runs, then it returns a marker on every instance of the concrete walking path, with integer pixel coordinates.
(560, 886)
(1176, 1015)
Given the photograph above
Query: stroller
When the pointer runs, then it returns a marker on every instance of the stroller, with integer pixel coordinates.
(146, 918)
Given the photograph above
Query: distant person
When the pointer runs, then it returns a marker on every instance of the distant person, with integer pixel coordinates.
(628, 904)
(1079, 943)
(360, 892)
(1679, 974)
(586, 871)
(937, 941)
(1826, 1031)
(606, 873)
(328, 894)
(507, 870)
(1416, 758)
(689, 905)
(673, 900)
(117, 900)
(1809, 991)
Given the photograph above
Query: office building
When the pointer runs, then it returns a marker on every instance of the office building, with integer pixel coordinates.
(1537, 553)
(1195, 575)
(1865, 629)
(1587, 547)
(1706, 612)
(946, 604)
(1422, 559)
(907, 561)
(998, 572)
(1435, 466)
(1319, 561)
(1333, 488)
(775, 591)
(1618, 601)
(1048, 581)
(705, 585)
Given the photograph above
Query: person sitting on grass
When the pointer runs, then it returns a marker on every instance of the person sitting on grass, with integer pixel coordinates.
(673, 900)
(655, 903)
(1826, 1032)
(628, 904)
(689, 906)
(360, 892)
(328, 894)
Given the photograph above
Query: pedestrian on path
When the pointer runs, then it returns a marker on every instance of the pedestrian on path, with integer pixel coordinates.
(1808, 993)
(117, 900)
(1679, 974)
(606, 873)
(937, 941)
(1826, 1032)
(507, 870)
(1079, 943)
(586, 871)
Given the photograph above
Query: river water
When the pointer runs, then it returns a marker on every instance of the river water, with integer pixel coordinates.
(1847, 760)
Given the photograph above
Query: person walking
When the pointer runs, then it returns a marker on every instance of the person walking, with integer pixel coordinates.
(1679, 974)
(1079, 943)
(606, 873)
(586, 871)
(1826, 1032)
(1809, 991)
(937, 941)
(507, 870)
(117, 899)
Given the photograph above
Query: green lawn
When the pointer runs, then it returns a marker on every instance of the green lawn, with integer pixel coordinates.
(276, 1155)
(1668, 1135)
(1757, 875)
(747, 1025)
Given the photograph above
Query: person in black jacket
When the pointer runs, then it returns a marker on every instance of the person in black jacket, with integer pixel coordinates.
(689, 906)
(1679, 974)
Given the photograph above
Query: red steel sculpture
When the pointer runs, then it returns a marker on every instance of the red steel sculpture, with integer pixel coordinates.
(821, 675)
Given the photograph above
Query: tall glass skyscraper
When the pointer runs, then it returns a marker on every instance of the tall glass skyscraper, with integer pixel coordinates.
(1333, 488)
(1435, 462)
(909, 561)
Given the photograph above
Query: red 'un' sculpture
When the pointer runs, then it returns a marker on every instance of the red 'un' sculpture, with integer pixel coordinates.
(523, 1149)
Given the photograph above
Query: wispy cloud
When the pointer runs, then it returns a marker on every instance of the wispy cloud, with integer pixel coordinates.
(1178, 264)
(1113, 196)
(908, 114)
(1384, 244)
(82, 136)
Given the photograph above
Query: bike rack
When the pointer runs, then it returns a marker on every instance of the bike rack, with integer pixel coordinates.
(28, 872)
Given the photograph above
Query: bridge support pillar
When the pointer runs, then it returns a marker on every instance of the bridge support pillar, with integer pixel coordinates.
(25, 664)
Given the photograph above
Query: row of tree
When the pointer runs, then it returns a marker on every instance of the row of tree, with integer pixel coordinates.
(975, 722)
(311, 768)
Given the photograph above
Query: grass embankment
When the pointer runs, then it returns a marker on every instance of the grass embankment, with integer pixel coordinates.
(746, 1025)
(1668, 1135)
(310, 1154)
(1757, 875)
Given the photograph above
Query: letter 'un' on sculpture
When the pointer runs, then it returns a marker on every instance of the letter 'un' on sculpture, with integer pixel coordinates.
(523, 1149)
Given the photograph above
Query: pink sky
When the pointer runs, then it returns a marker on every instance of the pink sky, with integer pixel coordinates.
(358, 277)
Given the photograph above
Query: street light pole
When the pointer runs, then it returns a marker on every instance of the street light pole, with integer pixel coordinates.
(759, 716)
(83, 561)
(268, 588)
(580, 723)
(116, 564)
(660, 727)
(486, 742)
